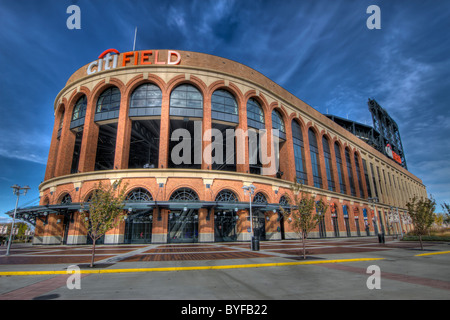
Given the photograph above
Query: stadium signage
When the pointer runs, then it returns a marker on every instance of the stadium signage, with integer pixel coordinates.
(392, 154)
(109, 59)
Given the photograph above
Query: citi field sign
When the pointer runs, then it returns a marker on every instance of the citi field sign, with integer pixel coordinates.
(109, 59)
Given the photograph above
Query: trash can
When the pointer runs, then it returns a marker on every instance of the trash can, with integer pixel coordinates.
(255, 244)
(381, 237)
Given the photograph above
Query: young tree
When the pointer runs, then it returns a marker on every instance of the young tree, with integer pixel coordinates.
(105, 208)
(422, 215)
(301, 214)
(446, 208)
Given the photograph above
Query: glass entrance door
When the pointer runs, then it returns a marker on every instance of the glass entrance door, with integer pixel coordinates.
(225, 226)
(138, 229)
(183, 226)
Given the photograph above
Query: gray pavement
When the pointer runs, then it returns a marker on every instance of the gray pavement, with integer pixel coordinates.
(331, 276)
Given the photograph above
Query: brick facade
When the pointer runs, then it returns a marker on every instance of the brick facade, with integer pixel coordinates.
(209, 73)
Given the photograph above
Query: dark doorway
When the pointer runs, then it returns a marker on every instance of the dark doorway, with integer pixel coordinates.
(225, 226)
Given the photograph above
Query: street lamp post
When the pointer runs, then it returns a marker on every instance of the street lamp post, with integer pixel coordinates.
(16, 191)
(250, 190)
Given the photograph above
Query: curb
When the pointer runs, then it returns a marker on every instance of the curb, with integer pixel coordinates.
(167, 269)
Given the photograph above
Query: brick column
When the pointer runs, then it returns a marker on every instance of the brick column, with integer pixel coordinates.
(66, 145)
(122, 152)
(54, 146)
(164, 131)
(89, 142)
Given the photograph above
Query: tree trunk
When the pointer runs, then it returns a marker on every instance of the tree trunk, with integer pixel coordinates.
(94, 240)
(304, 247)
(420, 240)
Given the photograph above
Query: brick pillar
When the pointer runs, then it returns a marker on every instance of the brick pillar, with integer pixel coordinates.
(66, 145)
(123, 137)
(164, 131)
(54, 146)
(288, 155)
(242, 162)
(206, 134)
(89, 142)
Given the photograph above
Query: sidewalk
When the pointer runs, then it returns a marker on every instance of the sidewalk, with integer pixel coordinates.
(170, 257)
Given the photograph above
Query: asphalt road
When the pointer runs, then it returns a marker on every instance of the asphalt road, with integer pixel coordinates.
(349, 270)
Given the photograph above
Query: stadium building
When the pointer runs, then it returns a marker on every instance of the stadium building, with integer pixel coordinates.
(187, 132)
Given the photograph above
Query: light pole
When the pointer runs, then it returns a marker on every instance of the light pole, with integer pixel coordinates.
(16, 191)
(250, 190)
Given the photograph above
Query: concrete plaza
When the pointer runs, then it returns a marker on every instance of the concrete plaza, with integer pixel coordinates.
(335, 269)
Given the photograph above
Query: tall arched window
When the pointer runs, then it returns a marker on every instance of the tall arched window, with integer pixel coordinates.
(224, 106)
(300, 167)
(328, 167)
(340, 168)
(79, 110)
(186, 101)
(76, 125)
(108, 104)
(255, 115)
(255, 120)
(278, 123)
(350, 173)
(146, 100)
(314, 151)
(358, 176)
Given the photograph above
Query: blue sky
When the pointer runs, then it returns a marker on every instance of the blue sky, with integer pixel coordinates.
(321, 51)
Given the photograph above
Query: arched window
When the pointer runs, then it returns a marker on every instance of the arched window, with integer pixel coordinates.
(358, 176)
(340, 168)
(329, 168)
(255, 115)
(285, 203)
(108, 104)
(79, 111)
(184, 194)
(146, 100)
(350, 173)
(66, 199)
(260, 198)
(300, 167)
(277, 121)
(109, 100)
(226, 196)
(139, 195)
(314, 151)
(224, 106)
(186, 100)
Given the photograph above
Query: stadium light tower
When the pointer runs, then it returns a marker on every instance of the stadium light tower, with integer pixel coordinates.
(16, 191)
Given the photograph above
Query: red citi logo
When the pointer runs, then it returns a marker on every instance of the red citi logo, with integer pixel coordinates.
(109, 59)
